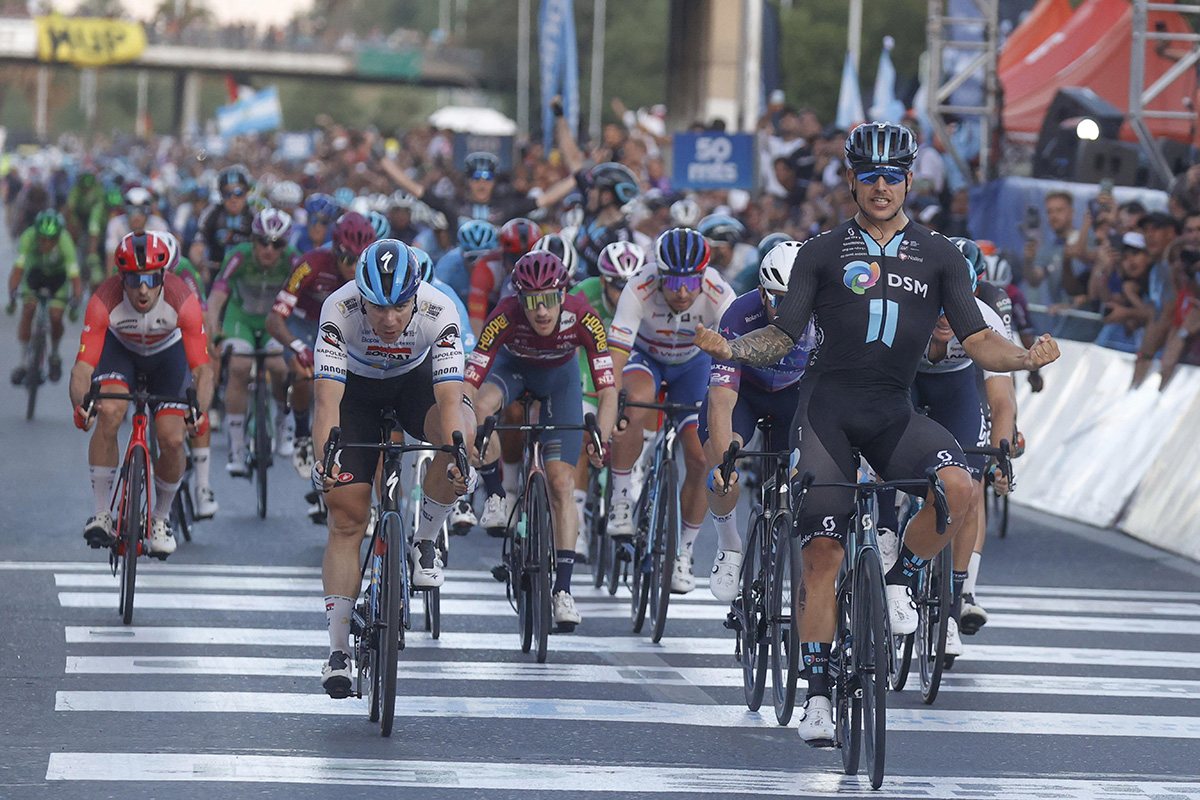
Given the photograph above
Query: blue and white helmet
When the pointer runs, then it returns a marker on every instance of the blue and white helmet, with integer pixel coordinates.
(387, 273)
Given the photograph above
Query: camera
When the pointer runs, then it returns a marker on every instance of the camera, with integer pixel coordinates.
(1032, 223)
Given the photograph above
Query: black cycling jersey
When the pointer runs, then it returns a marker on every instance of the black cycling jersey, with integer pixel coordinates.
(499, 210)
(220, 230)
(593, 238)
(875, 306)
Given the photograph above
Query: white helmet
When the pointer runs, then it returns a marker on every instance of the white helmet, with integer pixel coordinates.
(272, 223)
(621, 260)
(287, 193)
(776, 269)
(172, 248)
(997, 269)
(560, 246)
(402, 199)
(360, 205)
(685, 213)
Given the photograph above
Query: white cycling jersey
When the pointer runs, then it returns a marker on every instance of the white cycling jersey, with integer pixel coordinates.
(118, 227)
(956, 357)
(643, 318)
(346, 342)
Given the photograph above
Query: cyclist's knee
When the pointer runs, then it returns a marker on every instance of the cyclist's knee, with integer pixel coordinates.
(110, 415)
(561, 478)
(170, 438)
(960, 488)
(822, 558)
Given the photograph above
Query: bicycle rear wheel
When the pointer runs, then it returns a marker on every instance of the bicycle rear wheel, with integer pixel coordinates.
(639, 579)
(755, 649)
(262, 444)
(391, 631)
(133, 526)
(871, 655)
(933, 608)
(33, 373)
(784, 628)
(541, 573)
(665, 545)
(597, 516)
(518, 546)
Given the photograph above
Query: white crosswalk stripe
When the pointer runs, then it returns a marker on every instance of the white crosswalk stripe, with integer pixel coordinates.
(190, 633)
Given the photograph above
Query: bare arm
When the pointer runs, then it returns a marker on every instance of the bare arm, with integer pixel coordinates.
(757, 348)
(202, 377)
(556, 192)
(995, 353)
(572, 155)
(401, 178)
(721, 400)
(1002, 399)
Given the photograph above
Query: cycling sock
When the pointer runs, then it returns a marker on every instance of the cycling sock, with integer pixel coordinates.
(688, 534)
(511, 474)
(580, 502)
(728, 537)
(621, 478)
(887, 516)
(972, 573)
(337, 613)
(102, 484)
(562, 571)
(303, 424)
(164, 496)
(905, 569)
(236, 424)
(200, 466)
(433, 514)
(490, 474)
(957, 579)
(815, 656)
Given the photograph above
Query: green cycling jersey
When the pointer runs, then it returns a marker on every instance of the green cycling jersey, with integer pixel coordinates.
(592, 290)
(251, 288)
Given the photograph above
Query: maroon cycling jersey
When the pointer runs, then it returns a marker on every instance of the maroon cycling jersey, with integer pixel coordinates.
(578, 326)
(315, 278)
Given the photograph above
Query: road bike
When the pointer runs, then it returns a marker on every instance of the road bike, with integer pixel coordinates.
(527, 569)
(380, 618)
(433, 616)
(135, 477)
(595, 519)
(647, 559)
(859, 661)
(39, 342)
(768, 636)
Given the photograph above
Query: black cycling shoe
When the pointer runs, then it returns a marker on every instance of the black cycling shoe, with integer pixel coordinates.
(18, 375)
(55, 368)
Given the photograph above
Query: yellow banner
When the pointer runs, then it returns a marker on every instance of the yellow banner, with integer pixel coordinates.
(88, 41)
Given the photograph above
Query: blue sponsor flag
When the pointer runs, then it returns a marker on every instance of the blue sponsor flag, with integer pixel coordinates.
(850, 105)
(884, 105)
(559, 64)
(254, 114)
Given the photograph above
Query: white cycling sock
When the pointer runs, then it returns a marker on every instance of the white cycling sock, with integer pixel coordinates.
(688, 534)
(972, 573)
(236, 426)
(433, 514)
(621, 478)
(510, 473)
(164, 496)
(728, 537)
(102, 484)
(580, 502)
(337, 613)
(200, 466)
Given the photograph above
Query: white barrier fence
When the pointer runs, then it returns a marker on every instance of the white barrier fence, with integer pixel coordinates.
(1102, 454)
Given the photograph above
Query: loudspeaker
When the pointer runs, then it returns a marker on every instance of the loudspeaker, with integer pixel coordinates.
(1057, 144)
(1095, 161)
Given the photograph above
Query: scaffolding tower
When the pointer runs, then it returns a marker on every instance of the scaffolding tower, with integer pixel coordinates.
(944, 78)
(1141, 95)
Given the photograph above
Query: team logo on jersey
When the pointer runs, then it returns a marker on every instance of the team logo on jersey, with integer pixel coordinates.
(491, 331)
(332, 335)
(348, 306)
(860, 276)
(448, 337)
(297, 277)
(593, 324)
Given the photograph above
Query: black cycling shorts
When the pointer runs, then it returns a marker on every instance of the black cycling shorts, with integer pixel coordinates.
(953, 402)
(361, 414)
(832, 420)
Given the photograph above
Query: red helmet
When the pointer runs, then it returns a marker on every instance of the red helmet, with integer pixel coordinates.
(143, 252)
(539, 271)
(518, 236)
(352, 234)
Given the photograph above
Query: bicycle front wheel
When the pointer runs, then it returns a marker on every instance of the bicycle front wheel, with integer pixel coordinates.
(133, 526)
(639, 578)
(597, 516)
(784, 625)
(33, 375)
(755, 652)
(664, 545)
(847, 703)
(933, 608)
(262, 445)
(391, 630)
(871, 656)
(541, 563)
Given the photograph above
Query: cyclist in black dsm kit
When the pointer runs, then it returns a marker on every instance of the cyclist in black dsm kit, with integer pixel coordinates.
(875, 287)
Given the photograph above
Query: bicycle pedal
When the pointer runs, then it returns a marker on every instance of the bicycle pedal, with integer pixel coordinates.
(500, 573)
(564, 627)
(822, 744)
(497, 533)
(732, 622)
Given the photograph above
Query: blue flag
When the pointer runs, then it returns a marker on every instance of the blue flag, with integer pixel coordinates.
(559, 64)
(850, 105)
(884, 105)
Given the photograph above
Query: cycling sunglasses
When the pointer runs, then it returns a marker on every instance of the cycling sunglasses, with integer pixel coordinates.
(143, 210)
(274, 244)
(773, 299)
(675, 283)
(322, 219)
(616, 283)
(890, 177)
(234, 191)
(135, 279)
(547, 299)
(482, 175)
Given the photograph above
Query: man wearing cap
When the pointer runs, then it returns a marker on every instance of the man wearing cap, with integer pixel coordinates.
(1127, 308)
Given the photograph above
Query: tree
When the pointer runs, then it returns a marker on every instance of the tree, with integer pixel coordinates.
(111, 9)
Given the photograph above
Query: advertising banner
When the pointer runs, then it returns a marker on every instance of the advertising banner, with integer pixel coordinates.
(713, 161)
(88, 41)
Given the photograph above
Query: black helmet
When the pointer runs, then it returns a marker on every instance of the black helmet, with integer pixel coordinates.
(881, 144)
(617, 178)
(233, 176)
(481, 163)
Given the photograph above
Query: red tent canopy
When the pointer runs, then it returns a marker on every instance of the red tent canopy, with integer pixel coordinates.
(1093, 49)
(1045, 18)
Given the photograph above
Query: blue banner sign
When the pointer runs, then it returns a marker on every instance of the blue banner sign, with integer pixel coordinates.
(713, 161)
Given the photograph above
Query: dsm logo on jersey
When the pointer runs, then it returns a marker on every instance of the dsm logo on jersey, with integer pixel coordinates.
(860, 276)
(908, 284)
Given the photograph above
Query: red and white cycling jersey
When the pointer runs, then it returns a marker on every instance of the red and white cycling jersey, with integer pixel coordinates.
(176, 315)
(643, 318)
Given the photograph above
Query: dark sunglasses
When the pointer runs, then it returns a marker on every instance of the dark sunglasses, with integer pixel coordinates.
(135, 279)
(889, 177)
(143, 210)
(321, 219)
(275, 244)
(617, 283)
(234, 191)
(547, 299)
(482, 175)
(674, 283)
(773, 299)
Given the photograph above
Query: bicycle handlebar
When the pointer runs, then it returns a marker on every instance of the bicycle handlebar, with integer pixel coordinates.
(727, 463)
(1002, 454)
(932, 483)
(668, 408)
(141, 398)
(334, 445)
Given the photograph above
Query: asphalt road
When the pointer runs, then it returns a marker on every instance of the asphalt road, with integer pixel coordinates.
(1085, 683)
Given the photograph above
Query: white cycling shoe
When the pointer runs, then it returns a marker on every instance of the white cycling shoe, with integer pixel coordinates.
(954, 645)
(902, 610)
(496, 510)
(726, 575)
(972, 617)
(889, 547)
(335, 675)
(816, 723)
(462, 517)
(206, 503)
(566, 616)
(427, 565)
(302, 456)
(581, 548)
(162, 541)
(682, 579)
(99, 531)
(285, 437)
(620, 518)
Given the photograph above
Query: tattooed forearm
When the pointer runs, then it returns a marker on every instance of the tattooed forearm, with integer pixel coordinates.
(761, 347)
